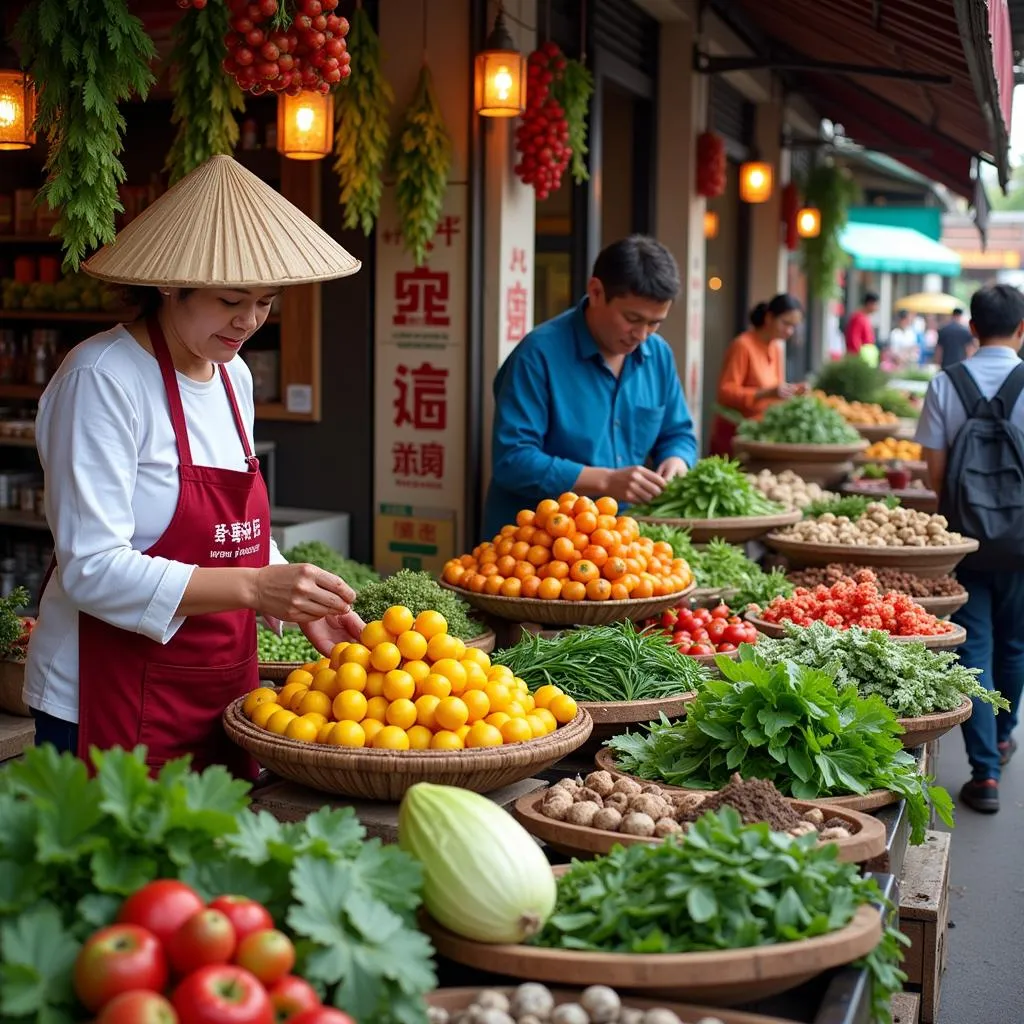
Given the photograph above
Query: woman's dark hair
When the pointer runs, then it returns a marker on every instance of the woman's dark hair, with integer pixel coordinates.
(145, 300)
(640, 266)
(782, 303)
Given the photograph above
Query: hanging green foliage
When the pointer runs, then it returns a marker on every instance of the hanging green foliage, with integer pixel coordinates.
(833, 191)
(205, 96)
(362, 104)
(421, 161)
(87, 56)
(573, 90)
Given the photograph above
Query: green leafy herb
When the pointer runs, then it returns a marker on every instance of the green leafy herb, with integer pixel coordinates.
(716, 487)
(898, 403)
(800, 420)
(88, 56)
(677, 538)
(421, 161)
(853, 506)
(419, 592)
(573, 89)
(362, 107)
(787, 723)
(851, 378)
(910, 678)
(761, 590)
(72, 848)
(832, 190)
(316, 552)
(604, 663)
(724, 885)
(205, 95)
(11, 629)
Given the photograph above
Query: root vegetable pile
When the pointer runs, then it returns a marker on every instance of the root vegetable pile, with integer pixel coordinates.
(702, 631)
(887, 579)
(284, 47)
(880, 526)
(788, 489)
(856, 601)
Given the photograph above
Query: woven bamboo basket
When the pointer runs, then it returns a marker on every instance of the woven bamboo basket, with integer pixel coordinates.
(925, 728)
(385, 775)
(568, 613)
(942, 642)
(734, 529)
(614, 717)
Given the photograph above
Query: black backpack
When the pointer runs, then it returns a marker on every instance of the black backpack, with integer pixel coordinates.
(983, 493)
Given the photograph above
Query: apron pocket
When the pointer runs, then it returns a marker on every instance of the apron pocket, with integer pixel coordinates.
(182, 707)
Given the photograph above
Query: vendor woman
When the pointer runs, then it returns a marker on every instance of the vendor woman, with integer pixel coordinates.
(159, 514)
(754, 373)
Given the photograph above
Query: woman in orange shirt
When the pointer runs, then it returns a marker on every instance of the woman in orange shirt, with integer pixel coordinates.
(754, 373)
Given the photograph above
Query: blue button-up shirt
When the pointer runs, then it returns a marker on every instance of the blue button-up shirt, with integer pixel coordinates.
(558, 408)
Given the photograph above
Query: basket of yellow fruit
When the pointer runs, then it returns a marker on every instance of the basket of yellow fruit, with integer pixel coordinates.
(409, 703)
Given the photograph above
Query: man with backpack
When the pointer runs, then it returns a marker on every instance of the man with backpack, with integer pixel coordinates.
(972, 432)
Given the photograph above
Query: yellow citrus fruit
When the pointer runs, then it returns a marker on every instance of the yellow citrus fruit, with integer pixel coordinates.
(497, 719)
(326, 682)
(398, 620)
(476, 677)
(289, 690)
(517, 683)
(499, 695)
(435, 685)
(279, 720)
(477, 703)
(545, 695)
(324, 735)
(374, 684)
(336, 652)
(401, 712)
(514, 709)
(261, 715)
(350, 706)
(356, 654)
(391, 738)
(418, 669)
(499, 672)
(545, 715)
(316, 701)
(398, 683)
(563, 707)
(297, 698)
(302, 729)
(370, 727)
(475, 654)
(516, 730)
(425, 708)
(385, 656)
(484, 735)
(537, 726)
(377, 707)
(413, 645)
(312, 667)
(463, 731)
(453, 672)
(430, 623)
(526, 699)
(315, 716)
(374, 633)
(445, 740)
(261, 695)
(351, 677)
(444, 645)
(419, 737)
(348, 734)
(451, 713)
(300, 676)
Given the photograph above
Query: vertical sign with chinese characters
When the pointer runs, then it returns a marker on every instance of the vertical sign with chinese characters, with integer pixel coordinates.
(420, 423)
(517, 293)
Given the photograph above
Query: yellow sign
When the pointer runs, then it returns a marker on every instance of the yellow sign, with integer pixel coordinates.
(992, 259)
(413, 538)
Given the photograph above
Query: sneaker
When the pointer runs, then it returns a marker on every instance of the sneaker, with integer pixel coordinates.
(1006, 751)
(981, 795)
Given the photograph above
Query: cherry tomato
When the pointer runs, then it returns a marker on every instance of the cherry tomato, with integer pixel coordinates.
(720, 612)
(699, 649)
(162, 906)
(222, 994)
(246, 915)
(716, 629)
(291, 996)
(138, 1007)
(268, 954)
(205, 938)
(119, 958)
(724, 648)
(668, 619)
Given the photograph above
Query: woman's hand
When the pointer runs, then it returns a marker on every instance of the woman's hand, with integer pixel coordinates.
(301, 593)
(785, 390)
(672, 467)
(325, 633)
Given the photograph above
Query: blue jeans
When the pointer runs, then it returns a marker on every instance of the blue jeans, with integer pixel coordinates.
(994, 620)
(63, 735)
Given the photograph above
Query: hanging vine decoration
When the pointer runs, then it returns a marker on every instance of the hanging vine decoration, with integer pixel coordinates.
(833, 191)
(205, 96)
(89, 56)
(362, 107)
(574, 89)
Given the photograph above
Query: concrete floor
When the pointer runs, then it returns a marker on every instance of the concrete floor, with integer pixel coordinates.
(986, 954)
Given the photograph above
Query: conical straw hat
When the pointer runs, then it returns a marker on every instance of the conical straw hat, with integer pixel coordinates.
(221, 226)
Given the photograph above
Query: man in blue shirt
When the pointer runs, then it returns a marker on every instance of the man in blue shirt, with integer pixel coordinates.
(587, 399)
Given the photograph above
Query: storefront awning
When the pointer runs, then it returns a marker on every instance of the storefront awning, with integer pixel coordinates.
(886, 249)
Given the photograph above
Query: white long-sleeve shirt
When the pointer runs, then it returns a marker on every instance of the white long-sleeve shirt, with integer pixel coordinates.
(107, 447)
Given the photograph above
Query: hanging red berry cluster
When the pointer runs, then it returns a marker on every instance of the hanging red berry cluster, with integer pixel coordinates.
(278, 47)
(186, 4)
(711, 165)
(542, 137)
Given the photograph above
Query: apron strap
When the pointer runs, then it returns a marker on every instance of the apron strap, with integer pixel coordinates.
(251, 460)
(163, 357)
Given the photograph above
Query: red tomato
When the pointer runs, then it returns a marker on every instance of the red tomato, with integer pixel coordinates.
(733, 619)
(246, 915)
(162, 906)
(703, 615)
(222, 994)
(268, 954)
(323, 1015)
(716, 629)
(118, 959)
(735, 634)
(698, 649)
(291, 996)
(205, 938)
(724, 648)
(138, 1007)
(668, 619)
(700, 636)
(721, 612)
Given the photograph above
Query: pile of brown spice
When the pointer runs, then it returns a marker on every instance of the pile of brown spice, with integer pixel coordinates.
(755, 800)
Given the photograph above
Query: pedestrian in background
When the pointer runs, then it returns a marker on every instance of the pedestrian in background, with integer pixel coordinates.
(859, 329)
(955, 342)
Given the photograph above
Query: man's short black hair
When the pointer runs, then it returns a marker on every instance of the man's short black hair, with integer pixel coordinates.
(870, 297)
(958, 311)
(640, 266)
(996, 311)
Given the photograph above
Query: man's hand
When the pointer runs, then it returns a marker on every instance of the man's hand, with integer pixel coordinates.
(672, 467)
(635, 484)
(785, 390)
(324, 633)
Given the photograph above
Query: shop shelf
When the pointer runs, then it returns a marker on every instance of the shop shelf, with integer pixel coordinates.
(26, 520)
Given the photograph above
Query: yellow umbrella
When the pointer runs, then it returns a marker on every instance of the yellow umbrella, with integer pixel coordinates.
(930, 302)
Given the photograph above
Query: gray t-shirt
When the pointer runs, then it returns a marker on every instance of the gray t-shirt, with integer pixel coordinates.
(954, 340)
(943, 414)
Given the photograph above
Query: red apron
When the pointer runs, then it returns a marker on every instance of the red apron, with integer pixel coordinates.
(170, 696)
(722, 433)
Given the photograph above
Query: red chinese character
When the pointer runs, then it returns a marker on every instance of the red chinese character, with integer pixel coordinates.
(427, 406)
(405, 459)
(404, 529)
(448, 227)
(518, 261)
(516, 313)
(432, 460)
(428, 532)
(421, 297)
